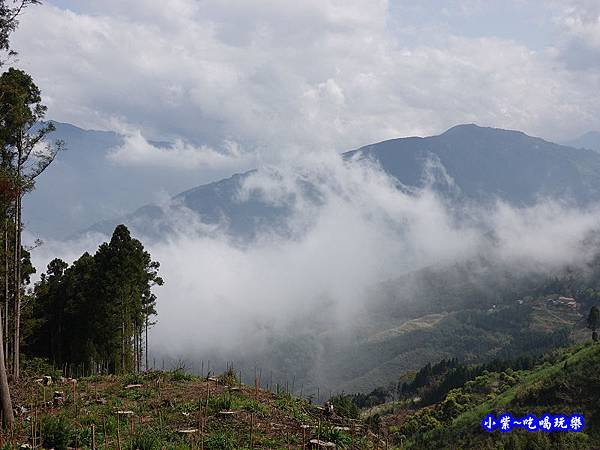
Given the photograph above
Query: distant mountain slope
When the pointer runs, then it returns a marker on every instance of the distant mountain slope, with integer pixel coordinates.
(489, 163)
(467, 162)
(85, 185)
(215, 203)
(590, 140)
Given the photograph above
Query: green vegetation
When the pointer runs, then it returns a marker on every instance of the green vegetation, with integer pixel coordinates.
(22, 160)
(564, 381)
(92, 315)
(168, 413)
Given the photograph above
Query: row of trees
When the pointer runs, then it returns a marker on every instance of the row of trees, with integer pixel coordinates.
(24, 155)
(95, 314)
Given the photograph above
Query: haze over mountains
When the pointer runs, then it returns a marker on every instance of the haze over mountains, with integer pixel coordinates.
(467, 163)
(590, 140)
(88, 184)
(325, 260)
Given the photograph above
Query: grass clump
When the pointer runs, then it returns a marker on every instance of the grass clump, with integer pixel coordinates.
(234, 402)
(145, 440)
(180, 374)
(337, 436)
(229, 378)
(57, 432)
(221, 441)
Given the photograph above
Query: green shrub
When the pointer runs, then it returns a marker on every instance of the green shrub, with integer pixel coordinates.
(221, 441)
(145, 440)
(338, 437)
(229, 378)
(133, 378)
(180, 374)
(234, 402)
(344, 407)
(57, 432)
(37, 367)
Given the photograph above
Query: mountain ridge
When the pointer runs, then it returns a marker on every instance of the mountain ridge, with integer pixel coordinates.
(482, 164)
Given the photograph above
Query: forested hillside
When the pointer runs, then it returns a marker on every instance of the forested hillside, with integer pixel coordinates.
(564, 381)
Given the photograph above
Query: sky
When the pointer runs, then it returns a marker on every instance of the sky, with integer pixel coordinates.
(274, 78)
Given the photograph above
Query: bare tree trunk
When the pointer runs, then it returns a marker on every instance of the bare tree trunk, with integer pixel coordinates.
(138, 338)
(17, 268)
(146, 344)
(8, 419)
(123, 345)
(135, 350)
(6, 292)
(17, 330)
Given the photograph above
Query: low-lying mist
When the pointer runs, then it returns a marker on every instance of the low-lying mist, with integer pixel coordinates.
(352, 229)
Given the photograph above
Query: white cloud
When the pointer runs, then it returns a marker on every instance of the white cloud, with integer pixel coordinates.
(137, 151)
(361, 232)
(579, 25)
(364, 232)
(314, 75)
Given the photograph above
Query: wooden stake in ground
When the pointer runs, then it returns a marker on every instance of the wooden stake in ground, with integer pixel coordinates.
(303, 437)
(319, 430)
(93, 437)
(202, 433)
(207, 393)
(74, 382)
(119, 432)
(38, 426)
(251, 430)
(104, 433)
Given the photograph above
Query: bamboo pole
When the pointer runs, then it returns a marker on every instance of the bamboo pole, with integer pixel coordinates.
(105, 433)
(251, 430)
(202, 433)
(75, 397)
(119, 431)
(35, 426)
(319, 430)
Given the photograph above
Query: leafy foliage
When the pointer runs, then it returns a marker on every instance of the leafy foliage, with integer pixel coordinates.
(344, 406)
(562, 382)
(57, 432)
